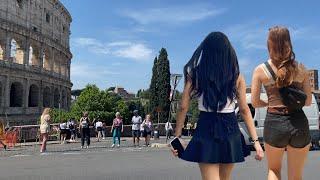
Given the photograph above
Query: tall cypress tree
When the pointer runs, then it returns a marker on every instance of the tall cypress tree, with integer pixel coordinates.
(164, 87)
(153, 90)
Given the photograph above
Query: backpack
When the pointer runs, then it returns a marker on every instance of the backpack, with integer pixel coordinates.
(293, 97)
(71, 126)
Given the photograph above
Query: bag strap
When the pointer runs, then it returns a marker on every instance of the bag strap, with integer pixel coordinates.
(274, 76)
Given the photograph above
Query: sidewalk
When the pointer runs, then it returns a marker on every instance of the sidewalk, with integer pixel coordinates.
(161, 142)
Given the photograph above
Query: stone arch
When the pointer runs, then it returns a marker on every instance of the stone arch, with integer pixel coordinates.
(63, 68)
(46, 58)
(46, 97)
(16, 94)
(16, 51)
(33, 98)
(64, 99)
(1, 94)
(56, 63)
(56, 98)
(33, 56)
(1, 52)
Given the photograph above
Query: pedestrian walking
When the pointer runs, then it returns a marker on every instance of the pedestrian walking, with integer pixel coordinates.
(85, 130)
(72, 128)
(286, 128)
(136, 123)
(104, 129)
(169, 129)
(117, 129)
(212, 76)
(45, 120)
(63, 132)
(2, 135)
(142, 133)
(148, 128)
(98, 127)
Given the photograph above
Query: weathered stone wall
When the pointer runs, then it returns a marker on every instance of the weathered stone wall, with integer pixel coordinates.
(35, 59)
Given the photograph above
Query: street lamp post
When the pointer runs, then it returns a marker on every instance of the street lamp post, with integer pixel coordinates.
(175, 79)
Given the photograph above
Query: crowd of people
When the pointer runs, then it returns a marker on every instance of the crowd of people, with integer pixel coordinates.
(141, 128)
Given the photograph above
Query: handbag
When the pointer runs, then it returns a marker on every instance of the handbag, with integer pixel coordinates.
(293, 97)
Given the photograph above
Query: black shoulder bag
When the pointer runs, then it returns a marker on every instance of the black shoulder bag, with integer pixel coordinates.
(293, 97)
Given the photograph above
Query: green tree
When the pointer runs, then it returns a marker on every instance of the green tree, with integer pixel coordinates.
(163, 84)
(154, 101)
(194, 110)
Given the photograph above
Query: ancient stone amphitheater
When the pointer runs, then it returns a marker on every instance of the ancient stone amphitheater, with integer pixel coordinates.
(35, 59)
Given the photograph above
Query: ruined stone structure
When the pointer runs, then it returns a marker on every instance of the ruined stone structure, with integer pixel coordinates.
(35, 59)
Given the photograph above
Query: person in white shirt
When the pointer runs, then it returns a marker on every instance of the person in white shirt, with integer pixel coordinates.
(136, 123)
(169, 129)
(63, 132)
(99, 130)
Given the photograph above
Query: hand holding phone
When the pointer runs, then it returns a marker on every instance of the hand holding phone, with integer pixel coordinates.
(177, 147)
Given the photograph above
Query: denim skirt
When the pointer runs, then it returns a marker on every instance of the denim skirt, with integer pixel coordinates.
(217, 139)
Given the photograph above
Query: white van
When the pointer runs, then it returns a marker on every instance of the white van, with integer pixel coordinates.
(259, 115)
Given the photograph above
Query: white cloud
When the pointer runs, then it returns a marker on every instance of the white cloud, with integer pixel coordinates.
(124, 49)
(249, 36)
(90, 71)
(173, 15)
(134, 51)
(93, 45)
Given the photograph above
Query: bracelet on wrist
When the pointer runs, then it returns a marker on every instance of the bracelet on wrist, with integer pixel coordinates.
(254, 141)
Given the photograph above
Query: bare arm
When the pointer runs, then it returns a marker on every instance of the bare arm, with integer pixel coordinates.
(112, 127)
(184, 107)
(307, 89)
(256, 89)
(244, 108)
(246, 115)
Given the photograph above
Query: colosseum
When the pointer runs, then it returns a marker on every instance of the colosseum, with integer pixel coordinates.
(35, 59)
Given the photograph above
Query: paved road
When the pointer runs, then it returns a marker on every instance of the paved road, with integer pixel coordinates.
(126, 163)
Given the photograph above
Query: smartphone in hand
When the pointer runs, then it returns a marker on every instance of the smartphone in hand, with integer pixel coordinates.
(176, 145)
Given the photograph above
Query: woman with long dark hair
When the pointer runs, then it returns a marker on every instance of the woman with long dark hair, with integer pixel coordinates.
(284, 128)
(212, 76)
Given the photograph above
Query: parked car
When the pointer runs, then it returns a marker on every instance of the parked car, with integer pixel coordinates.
(259, 115)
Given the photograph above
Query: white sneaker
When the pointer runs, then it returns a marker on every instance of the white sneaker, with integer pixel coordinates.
(113, 145)
(103, 138)
(118, 145)
(87, 147)
(81, 147)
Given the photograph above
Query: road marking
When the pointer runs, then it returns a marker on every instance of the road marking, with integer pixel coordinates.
(21, 155)
(72, 153)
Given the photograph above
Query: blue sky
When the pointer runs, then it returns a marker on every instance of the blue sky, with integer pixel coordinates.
(115, 42)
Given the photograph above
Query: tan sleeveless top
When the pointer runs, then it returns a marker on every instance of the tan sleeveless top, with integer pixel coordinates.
(274, 98)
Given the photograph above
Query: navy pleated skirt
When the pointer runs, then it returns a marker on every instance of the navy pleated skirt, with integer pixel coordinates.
(217, 139)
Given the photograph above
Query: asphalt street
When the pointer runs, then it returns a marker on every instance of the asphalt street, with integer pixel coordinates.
(100, 162)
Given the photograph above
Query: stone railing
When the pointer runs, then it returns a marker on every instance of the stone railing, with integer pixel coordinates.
(31, 69)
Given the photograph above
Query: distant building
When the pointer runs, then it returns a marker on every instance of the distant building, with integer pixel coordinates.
(313, 74)
(123, 93)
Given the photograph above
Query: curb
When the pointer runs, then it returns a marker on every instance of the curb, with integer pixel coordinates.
(159, 145)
